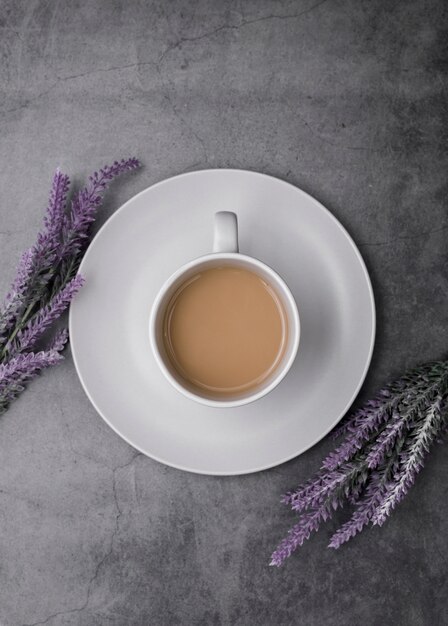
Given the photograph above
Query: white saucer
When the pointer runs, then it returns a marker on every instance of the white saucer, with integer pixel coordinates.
(151, 236)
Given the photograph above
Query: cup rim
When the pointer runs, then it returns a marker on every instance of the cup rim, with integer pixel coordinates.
(286, 292)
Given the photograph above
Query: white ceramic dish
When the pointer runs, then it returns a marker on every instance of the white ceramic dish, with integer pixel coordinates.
(167, 225)
(225, 253)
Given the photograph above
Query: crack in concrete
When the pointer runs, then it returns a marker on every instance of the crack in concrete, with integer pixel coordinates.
(62, 79)
(105, 557)
(405, 238)
(104, 70)
(243, 23)
(169, 48)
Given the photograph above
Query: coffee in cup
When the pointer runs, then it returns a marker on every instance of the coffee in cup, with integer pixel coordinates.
(225, 330)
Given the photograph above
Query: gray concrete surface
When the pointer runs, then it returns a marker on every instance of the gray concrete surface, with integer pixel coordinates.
(346, 99)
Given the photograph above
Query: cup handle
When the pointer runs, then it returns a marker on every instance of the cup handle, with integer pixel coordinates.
(226, 232)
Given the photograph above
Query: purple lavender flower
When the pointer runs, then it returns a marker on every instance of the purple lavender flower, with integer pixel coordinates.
(385, 441)
(369, 421)
(309, 522)
(46, 281)
(369, 410)
(36, 265)
(56, 207)
(21, 369)
(393, 392)
(373, 469)
(360, 518)
(14, 299)
(315, 492)
(411, 460)
(25, 365)
(26, 338)
(365, 421)
(53, 260)
(85, 205)
(59, 341)
(372, 497)
(305, 490)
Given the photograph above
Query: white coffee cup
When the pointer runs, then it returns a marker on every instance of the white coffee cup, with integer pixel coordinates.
(225, 252)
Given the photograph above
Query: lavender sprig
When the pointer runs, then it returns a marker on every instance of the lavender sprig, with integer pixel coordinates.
(55, 214)
(85, 205)
(20, 370)
(15, 298)
(411, 460)
(315, 492)
(386, 440)
(45, 317)
(308, 523)
(385, 445)
(46, 280)
(36, 263)
(365, 508)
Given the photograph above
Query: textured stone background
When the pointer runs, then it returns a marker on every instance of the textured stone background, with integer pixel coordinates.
(346, 99)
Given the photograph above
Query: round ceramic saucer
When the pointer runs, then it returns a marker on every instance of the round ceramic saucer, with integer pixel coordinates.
(159, 230)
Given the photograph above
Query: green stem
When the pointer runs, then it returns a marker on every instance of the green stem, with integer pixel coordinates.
(67, 274)
(18, 327)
